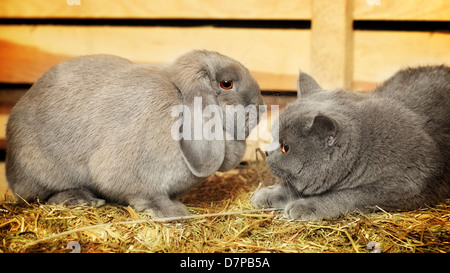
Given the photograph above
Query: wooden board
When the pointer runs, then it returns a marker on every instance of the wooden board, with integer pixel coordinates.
(274, 56)
(417, 10)
(379, 54)
(167, 9)
(332, 43)
(434, 10)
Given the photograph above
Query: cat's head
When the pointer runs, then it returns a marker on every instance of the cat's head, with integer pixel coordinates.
(309, 139)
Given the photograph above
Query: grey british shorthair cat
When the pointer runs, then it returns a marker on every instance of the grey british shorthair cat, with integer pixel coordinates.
(345, 151)
(98, 128)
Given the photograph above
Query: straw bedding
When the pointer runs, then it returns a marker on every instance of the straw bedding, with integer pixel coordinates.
(224, 221)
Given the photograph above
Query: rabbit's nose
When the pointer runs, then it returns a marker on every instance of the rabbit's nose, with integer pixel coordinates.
(275, 145)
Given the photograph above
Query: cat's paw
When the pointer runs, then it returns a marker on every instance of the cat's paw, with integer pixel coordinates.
(303, 209)
(269, 198)
(262, 198)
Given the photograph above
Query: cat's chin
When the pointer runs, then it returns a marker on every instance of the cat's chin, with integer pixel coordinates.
(276, 171)
(286, 178)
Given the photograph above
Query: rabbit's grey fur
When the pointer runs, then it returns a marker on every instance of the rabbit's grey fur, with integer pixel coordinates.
(349, 151)
(99, 127)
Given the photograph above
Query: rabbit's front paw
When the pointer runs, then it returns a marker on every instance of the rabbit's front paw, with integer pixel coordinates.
(173, 210)
(160, 207)
(76, 197)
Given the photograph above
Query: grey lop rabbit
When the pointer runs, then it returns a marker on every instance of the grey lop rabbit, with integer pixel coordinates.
(99, 127)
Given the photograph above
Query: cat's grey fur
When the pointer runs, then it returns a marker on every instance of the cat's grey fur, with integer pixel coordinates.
(349, 151)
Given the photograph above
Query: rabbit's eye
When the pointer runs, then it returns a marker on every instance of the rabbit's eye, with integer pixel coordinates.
(227, 85)
(284, 148)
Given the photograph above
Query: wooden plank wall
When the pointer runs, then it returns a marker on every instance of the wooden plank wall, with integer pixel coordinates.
(342, 43)
(331, 50)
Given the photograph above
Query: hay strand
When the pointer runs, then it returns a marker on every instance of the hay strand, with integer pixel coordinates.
(156, 220)
(222, 220)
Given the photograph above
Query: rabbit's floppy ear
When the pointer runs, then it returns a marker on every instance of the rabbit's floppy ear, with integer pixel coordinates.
(202, 150)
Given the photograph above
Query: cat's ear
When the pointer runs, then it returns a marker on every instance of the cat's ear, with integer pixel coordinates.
(326, 129)
(306, 85)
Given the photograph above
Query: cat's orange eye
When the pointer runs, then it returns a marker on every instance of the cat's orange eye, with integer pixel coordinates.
(227, 85)
(284, 148)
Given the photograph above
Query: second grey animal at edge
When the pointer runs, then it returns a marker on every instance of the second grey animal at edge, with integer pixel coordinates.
(99, 127)
(341, 151)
